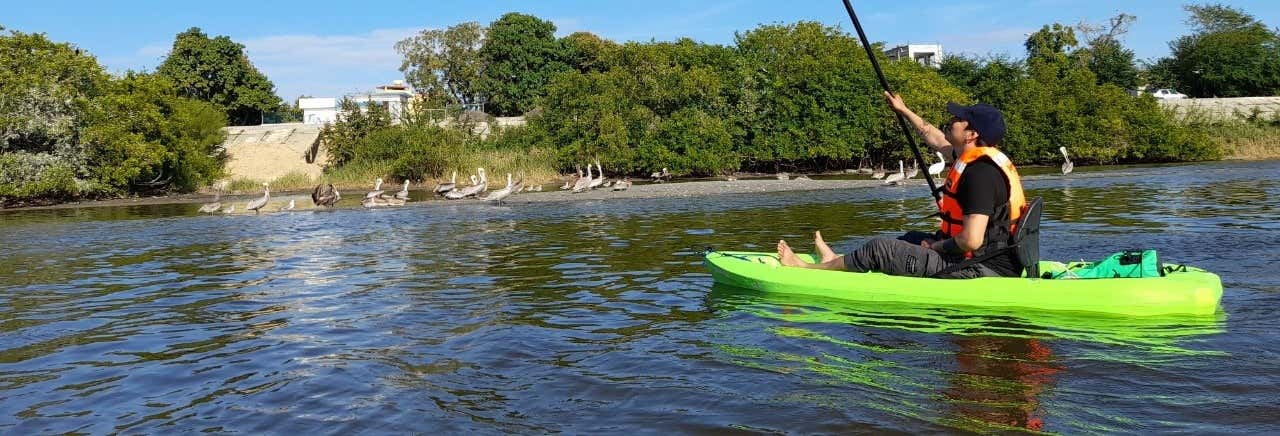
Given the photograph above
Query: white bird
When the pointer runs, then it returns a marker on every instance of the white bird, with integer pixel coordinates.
(537, 188)
(503, 193)
(255, 205)
(289, 207)
(1066, 166)
(583, 183)
(936, 168)
(622, 185)
(783, 176)
(446, 187)
(894, 178)
(381, 202)
(879, 173)
(230, 209)
(213, 207)
(404, 192)
(915, 170)
(661, 176)
(599, 180)
(377, 189)
(478, 186)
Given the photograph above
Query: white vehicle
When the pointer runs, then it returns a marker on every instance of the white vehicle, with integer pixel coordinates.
(1167, 94)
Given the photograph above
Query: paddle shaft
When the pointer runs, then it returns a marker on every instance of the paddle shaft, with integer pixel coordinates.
(902, 121)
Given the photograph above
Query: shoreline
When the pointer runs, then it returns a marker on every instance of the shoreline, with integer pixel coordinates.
(686, 188)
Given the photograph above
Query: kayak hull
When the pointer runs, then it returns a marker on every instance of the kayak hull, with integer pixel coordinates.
(1191, 291)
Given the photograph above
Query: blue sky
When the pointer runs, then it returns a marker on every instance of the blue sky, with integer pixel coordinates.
(331, 47)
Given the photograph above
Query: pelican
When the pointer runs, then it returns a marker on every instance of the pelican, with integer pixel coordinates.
(583, 183)
(802, 177)
(936, 168)
(1066, 166)
(230, 209)
(622, 185)
(660, 176)
(596, 182)
(255, 205)
(879, 173)
(289, 207)
(377, 189)
(213, 207)
(404, 192)
(477, 187)
(783, 176)
(503, 193)
(381, 202)
(568, 184)
(446, 187)
(325, 195)
(915, 170)
(537, 188)
(894, 178)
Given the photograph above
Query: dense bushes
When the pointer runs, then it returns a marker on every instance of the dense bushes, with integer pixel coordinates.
(68, 129)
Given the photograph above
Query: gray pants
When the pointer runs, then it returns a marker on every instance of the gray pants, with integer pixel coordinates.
(901, 258)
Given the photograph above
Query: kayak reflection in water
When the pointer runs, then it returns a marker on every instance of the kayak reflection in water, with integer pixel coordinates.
(981, 200)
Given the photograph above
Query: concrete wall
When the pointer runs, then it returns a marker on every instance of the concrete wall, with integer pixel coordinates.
(269, 151)
(1224, 108)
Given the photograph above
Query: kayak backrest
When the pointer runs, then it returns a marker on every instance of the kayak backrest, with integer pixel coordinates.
(1027, 237)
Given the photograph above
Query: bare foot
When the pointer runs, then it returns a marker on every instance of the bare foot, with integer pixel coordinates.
(786, 256)
(824, 250)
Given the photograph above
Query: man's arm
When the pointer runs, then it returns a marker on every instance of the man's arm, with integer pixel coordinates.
(969, 239)
(932, 136)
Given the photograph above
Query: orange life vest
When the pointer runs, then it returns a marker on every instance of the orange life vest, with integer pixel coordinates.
(953, 215)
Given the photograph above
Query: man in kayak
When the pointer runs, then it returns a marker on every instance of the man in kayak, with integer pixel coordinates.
(982, 199)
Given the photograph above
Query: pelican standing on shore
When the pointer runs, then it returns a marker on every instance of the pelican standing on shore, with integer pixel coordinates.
(583, 182)
(323, 195)
(936, 168)
(1066, 166)
(404, 192)
(894, 178)
(503, 193)
(879, 173)
(213, 207)
(446, 187)
(599, 180)
(622, 185)
(256, 205)
(377, 189)
(289, 207)
(915, 171)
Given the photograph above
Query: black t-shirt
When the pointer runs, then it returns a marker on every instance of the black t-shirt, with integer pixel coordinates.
(984, 190)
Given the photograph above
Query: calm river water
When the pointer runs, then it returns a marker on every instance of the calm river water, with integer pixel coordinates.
(598, 317)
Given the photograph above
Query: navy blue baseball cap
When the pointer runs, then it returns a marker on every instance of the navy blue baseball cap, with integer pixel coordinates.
(982, 118)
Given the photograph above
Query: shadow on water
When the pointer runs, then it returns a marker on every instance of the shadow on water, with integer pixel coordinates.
(599, 317)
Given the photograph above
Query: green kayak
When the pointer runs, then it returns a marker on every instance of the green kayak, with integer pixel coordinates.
(1184, 290)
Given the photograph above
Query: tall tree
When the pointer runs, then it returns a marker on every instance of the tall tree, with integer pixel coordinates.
(1230, 54)
(444, 64)
(217, 70)
(1107, 56)
(520, 55)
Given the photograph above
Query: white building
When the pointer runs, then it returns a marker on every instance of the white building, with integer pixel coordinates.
(319, 110)
(397, 97)
(929, 55)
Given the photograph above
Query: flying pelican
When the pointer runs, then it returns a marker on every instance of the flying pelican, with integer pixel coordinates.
(323, 195)
(255, 205)
(503, 193)
(583, 183)
(894, 178)
(377, 189)
(404, 192)
(599, 180)
(622, 185)
(936, 168)
(879, 173)
(213, 207)
(446, 187)
(289, 207)
(1066, 166)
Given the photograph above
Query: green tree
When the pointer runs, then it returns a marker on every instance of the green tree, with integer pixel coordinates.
(520, 55)
(444, 64)
(1160, 73)
(1229, 54)
(1051, 41)
(1109, 60)
(587, 52)
(217, 70)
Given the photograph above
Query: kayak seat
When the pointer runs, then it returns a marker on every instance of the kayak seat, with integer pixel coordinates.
(1026, 239)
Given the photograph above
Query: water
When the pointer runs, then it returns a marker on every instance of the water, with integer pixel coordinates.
(598, 317)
